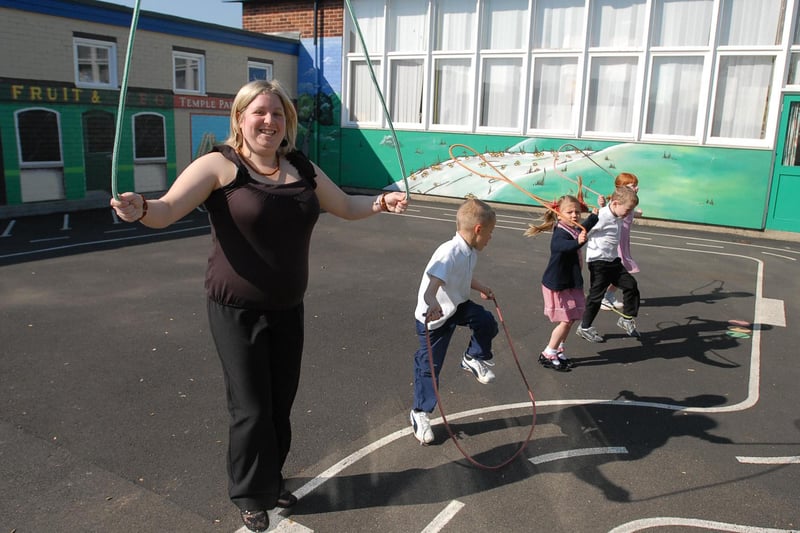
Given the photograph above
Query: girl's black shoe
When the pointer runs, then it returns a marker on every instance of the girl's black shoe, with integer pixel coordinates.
(255, 520)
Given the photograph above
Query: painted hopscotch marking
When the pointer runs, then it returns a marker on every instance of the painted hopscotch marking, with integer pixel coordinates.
(443, 518)
(569, 454)
(648, 523)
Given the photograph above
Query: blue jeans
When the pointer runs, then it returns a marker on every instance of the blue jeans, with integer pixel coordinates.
(484, 329)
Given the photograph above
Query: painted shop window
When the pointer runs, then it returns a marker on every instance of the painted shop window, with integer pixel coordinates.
(150, 139)
(259, 70)
(189, 72)
(95, 63)
(39, 134)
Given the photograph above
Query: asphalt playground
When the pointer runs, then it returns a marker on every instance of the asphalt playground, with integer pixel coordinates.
(113, 411)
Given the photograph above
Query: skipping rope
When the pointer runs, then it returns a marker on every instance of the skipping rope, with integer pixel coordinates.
(444, 417)
(380, 96)
(123, 93)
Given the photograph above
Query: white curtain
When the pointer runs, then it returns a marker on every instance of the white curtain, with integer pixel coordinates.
(364, 103)
(618, 23)
(558, 24)
(500, 95)
(407, 23)
(554, 86)
(451, 92)
(406, 97)
(504, 23)
(370, 21)
(674, 96)
(682, 22)
(455, 23)
(742, 96)
(611, 94)
(750, 22)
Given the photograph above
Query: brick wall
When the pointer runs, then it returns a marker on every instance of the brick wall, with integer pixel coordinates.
(281, 16)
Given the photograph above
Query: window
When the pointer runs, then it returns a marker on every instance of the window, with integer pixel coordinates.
(189, 71)
(408, 25)
(259, 70)
(149, 137)
(610, 104)
(500, 93)
(691, 71)
(95, 63)
(452, 95)
(742, 97)
(406, 96)
(558, 25)
(454, 25)
(555, 82)
(673, 104)
(39, 134)
(682, 23)
(504, 24)
(363, 102)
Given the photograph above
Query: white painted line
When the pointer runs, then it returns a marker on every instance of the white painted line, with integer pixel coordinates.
(703, 244)
(770, 311)
(443, 518)
(789, 460)
(104, 241)
(65, 238)
(115, 218)
(121, 230)
(567, 454)
(7, 232)
(667, 521)
(65, 224)
(781, 256)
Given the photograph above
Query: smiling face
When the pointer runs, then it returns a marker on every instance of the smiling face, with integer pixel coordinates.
(263, 123)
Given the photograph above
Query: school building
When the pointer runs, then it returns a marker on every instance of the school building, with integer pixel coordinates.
(507, 100)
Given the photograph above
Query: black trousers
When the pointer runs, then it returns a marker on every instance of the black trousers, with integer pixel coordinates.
(601, 275)
(260, 353)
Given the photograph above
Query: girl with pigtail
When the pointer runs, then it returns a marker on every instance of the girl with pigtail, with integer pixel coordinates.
(562, 281)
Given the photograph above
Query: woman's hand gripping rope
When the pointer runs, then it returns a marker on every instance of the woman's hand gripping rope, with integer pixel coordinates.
(439, 399)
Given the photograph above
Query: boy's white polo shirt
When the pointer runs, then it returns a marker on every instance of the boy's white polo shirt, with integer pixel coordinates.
(453, 262)
(602, 243)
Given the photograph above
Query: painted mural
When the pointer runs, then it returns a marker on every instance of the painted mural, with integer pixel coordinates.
(716, 186)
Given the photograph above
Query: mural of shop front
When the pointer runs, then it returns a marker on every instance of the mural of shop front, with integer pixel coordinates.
(64, 138)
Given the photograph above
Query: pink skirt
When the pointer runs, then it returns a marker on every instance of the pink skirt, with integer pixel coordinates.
(563, 306)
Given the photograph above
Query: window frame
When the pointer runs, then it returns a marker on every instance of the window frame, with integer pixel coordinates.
(110, 46)
(136, 157)
(265, 64)
(637, 42)
(200, 57)
(25, 164)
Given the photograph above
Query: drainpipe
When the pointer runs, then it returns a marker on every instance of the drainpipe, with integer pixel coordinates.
(317, 67)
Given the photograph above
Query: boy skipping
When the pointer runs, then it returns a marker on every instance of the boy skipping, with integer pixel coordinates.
(443, 302)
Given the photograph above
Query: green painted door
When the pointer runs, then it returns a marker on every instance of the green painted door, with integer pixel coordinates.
(98, 143)
(783, 214)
